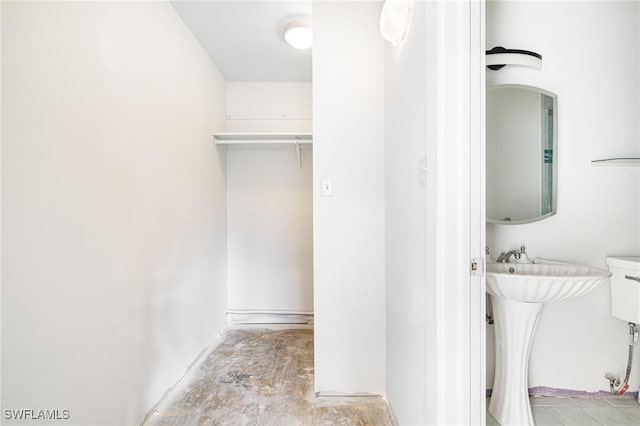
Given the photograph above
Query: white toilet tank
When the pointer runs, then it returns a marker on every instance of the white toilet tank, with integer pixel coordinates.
(625, 287)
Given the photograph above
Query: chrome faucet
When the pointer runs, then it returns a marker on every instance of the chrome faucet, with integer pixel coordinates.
(504, 257)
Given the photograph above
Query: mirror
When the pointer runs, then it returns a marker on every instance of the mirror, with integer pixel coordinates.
(521, 154)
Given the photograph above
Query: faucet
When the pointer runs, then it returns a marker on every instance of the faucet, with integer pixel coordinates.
(504, 257)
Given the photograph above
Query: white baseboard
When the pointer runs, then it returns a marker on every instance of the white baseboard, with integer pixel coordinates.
(330, 394)
(242, 316)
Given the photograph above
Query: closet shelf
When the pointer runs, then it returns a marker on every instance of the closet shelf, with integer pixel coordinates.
(617, 162)
(265, 139)
(262, 138)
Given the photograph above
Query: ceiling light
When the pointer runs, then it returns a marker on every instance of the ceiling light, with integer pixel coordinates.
(395, 18)
(298, 34)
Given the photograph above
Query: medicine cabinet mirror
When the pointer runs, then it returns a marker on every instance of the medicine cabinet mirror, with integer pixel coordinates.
(521, 154)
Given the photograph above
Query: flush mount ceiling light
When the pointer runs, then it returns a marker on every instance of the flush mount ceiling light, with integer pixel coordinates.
(395, 18)
(498, 57)
(298, 34)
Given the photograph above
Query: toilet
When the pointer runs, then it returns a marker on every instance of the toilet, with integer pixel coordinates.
(625, 287)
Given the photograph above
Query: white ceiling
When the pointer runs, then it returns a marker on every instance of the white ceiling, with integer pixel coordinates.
(244, 39)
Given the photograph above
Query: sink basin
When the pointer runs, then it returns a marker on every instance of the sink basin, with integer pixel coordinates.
(543, 281)
(519, 292)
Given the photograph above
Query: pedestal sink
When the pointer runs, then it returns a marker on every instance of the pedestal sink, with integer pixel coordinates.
(518, 294)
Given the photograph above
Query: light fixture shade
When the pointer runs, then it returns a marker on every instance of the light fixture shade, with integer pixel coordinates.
(499, 57)
(298, 34)
(395, 19)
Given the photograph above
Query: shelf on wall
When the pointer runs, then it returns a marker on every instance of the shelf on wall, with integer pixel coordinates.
(616, 162)
(262, 138)
(265, 139)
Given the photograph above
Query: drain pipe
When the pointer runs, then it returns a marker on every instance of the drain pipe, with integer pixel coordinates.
(633, 333)
(489, 314)
(489, 306)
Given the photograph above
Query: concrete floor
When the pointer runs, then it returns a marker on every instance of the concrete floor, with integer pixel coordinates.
(261, 377)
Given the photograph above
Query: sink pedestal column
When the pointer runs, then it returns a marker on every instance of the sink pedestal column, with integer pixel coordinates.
(515, 324)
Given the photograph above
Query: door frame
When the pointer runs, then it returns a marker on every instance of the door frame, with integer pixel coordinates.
(456, 213)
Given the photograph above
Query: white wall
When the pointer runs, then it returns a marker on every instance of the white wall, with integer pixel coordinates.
(113, 206)
(591, 60)
(349, 247)
(405, 202)
(269, 107)
(269, 201)
(1, 174)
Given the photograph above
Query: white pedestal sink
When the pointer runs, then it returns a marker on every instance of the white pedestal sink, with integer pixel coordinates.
(518, 294)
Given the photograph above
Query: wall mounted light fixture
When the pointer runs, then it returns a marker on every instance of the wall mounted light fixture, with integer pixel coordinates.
(498, 57)
(298, 34)
(395, 18)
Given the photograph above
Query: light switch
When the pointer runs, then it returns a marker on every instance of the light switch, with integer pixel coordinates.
(327, 187)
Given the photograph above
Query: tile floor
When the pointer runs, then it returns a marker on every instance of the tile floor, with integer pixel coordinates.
(261, 377)
(548, 411)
